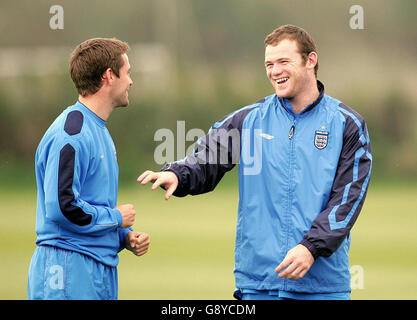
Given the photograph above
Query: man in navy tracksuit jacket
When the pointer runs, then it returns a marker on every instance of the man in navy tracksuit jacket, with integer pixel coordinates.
(304, 169)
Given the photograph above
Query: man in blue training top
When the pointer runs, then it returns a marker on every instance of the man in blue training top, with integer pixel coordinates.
(304, 169)
(80, 228)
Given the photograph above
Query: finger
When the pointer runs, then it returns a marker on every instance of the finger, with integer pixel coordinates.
(141, 252)
(288, 271)
(303, 272)
(137, 251)
(141, 240)
(142, 243)
(132, 240)
(141, 237)
(142, 246)
(170, 191)
(283, 265)
(295, 275)
(150, 177)
(143, 175)
(158, 182)
(129, 237)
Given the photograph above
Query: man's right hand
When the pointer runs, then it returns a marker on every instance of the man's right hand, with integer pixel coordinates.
(166, 178)
(128, 214)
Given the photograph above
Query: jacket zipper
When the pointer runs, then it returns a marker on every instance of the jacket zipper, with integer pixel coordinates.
(290, 183)
(291, 133)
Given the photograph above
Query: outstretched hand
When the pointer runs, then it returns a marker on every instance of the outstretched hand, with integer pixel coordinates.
(167, 179)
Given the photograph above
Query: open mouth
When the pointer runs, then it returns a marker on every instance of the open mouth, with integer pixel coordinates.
(282, 80)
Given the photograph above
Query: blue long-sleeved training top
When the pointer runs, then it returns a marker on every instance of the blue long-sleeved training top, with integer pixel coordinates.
(77, 184)
(302, 179)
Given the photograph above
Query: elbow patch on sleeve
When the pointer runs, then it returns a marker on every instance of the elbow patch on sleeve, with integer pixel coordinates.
(65, 193)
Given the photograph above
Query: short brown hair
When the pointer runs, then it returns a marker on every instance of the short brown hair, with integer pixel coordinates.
(305, 43)
(90, 60)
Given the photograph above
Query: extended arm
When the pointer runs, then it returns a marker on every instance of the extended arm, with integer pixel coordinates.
(213, 156)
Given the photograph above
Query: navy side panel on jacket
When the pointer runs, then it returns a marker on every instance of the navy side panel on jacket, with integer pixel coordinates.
(214, 155)
(349, 189)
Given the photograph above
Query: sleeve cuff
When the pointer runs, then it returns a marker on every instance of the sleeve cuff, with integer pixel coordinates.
(178, 192)
(310, 247)
(118, 217)
(122, 237)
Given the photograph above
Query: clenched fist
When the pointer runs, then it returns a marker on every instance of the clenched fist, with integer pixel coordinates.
(137, 242)
(128, 214)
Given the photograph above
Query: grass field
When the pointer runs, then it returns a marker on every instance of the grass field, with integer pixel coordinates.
(192, 244)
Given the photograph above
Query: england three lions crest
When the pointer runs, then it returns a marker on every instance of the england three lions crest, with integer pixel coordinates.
(320, 139)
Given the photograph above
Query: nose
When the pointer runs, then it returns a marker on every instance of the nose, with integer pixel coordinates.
(276, 69)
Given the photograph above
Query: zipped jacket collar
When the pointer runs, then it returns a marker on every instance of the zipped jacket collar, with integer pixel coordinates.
(287, 105)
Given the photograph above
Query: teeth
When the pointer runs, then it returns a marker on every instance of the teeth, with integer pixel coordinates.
(282, 80)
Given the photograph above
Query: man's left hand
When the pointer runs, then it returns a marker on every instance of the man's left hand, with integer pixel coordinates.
(298, 260)
(137, 242)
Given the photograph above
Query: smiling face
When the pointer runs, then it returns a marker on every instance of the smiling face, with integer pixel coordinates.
(288, 73)
(122, 84)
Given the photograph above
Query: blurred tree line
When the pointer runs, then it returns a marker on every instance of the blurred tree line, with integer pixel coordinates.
(200, 60)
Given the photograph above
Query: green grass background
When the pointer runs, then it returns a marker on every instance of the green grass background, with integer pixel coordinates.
(192, 244)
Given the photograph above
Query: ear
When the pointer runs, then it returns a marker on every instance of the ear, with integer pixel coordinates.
(312, 60)
(107, 76)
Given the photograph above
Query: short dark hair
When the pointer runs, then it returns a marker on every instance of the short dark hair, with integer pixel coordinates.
(304, 41)
(91, 59)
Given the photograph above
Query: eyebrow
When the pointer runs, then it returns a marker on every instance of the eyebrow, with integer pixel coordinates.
(279, 59)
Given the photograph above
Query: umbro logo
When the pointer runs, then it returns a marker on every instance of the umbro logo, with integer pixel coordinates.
(102, 155)
(267, 136)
